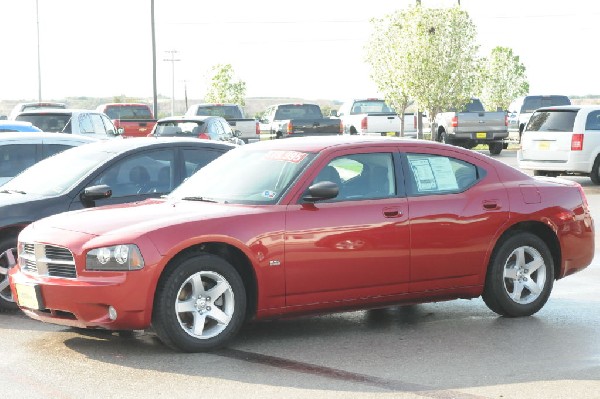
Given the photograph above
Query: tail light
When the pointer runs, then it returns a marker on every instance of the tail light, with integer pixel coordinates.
(454, 122)
(583, 197)
(341, 128)
(363, 124)
(505, 120)
(290, 127)
(577, 142)
(415, 121)
(257, 128)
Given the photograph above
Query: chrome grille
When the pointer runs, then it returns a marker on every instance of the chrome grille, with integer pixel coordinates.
(47, 260)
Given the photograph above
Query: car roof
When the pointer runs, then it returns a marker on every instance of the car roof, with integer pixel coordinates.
(14, 137)
(58, 111)
(191, 118)
(317, 144)
(590, 107)
(120, 144)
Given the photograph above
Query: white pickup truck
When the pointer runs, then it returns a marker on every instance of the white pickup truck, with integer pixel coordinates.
(233, 114)
(372, 116)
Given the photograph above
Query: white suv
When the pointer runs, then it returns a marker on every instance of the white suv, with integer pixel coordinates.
(562, 140)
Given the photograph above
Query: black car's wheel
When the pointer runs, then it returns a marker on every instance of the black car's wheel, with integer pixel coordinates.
(200, 304)
(8, 258)
(595, 174)
(444, 138)
(495, 148)
(520, 276)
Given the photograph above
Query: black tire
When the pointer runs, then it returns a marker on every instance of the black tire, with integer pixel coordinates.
(179, 328)
(353, 130)
(444, 138)
(495, 148)
(512, 289)
(595, 174)
(8, 257)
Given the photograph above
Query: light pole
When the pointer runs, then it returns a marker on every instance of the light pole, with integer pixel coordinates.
(172, 59)
(37, 17)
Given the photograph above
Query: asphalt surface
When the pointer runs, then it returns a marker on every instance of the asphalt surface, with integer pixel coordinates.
(455, 349)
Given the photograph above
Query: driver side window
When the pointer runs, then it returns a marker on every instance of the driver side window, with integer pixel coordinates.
(361, 176)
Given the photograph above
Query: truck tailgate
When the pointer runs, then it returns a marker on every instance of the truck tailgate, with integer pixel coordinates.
(481, 122)
(315, 126)
(383, 123)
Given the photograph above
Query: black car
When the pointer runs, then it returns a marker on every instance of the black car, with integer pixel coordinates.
(100, 173)
(203, 127)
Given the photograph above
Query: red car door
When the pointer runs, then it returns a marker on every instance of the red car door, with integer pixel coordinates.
(456, 210)
(353, 246)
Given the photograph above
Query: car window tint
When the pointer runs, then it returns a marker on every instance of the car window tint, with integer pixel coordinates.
(98, 125)
(51, 149)
(552, 121)
(15, 158)
(145, 173)
(195, 159)
(361, 176)
(593, 121)
(435, 174)
(85, 124)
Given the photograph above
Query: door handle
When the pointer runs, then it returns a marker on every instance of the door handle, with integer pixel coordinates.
(491, 205)
(392, 212)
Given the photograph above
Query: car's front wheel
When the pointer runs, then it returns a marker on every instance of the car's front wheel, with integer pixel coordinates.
(520, 276)
(8, 259)
(200, 304)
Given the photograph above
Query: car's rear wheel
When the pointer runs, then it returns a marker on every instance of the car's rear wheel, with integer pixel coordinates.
(495, 148)
(520, 276)
(200, 304)
(8, 258)
(595, 175)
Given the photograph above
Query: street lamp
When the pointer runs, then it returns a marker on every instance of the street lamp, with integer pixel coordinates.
(172, 60)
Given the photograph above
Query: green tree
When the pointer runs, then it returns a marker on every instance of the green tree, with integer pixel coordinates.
(433, 57)
(222, 88)
(388, 62)
(503, 78)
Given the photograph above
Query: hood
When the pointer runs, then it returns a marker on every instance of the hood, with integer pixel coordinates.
(7, 199)
(141, 217)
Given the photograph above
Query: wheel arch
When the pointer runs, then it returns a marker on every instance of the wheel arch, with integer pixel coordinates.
(10, 231)
(233, 256)
(541, 230)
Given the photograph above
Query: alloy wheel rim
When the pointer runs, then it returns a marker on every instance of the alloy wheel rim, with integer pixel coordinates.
(204, 305)
(524, 275)
(8, 259)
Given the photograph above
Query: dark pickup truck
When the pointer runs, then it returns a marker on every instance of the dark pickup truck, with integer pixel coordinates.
(131, 119)
(297, 120)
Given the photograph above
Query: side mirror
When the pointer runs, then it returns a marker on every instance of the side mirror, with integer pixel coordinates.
(321, 191)
(237, 133)
(120, 131)
(334, 113)
(94, 193)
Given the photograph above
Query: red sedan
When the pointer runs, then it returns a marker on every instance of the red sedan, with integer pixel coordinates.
(306, 225)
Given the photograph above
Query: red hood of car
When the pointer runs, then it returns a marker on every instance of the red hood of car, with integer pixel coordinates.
(142, 217)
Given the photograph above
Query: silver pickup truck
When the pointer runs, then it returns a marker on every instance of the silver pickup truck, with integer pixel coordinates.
(472, 126)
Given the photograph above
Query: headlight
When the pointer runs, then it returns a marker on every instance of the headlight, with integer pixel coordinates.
(117, 257)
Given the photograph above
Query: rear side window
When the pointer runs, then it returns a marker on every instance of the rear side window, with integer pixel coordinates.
(370, 107)
(226, 111)
(532, 103)
(128, 112)
(593, 121)
(431, 174)
(552, 121)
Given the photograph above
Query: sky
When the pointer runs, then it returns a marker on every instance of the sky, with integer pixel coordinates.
(312, 49)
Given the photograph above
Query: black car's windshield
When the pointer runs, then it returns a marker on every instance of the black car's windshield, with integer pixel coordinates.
(57, 174)
(245, 176)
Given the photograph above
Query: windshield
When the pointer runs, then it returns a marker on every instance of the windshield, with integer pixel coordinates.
(57, 174)
(49, 122)
(128, 112)
(552, 121)
(245, 176)
(226, 111)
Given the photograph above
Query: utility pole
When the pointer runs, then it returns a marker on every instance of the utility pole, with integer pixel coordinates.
(154, 90)
(172, 60)
(37, 16)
